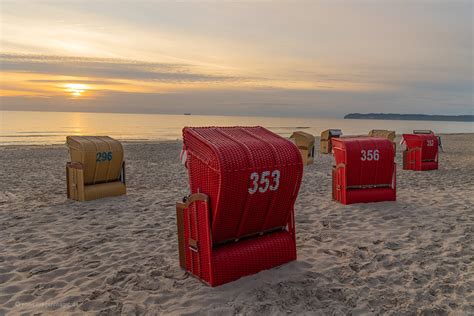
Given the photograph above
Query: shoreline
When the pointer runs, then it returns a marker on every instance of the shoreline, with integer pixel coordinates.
(155, 142)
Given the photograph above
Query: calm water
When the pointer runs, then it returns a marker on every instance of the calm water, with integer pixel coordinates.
(24, 128)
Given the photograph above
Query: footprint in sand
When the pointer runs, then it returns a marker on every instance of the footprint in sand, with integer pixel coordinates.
(333, 252)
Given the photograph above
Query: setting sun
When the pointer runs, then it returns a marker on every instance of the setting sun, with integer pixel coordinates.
(76, 89)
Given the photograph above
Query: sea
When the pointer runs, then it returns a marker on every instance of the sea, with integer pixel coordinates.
(45, 128)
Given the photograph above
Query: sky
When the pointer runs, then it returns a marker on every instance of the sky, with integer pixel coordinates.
(267, 58)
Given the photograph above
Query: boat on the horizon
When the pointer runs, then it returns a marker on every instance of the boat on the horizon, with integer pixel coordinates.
(186, 113)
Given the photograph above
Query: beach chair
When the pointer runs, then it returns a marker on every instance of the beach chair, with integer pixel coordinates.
(390, 135)
(305, 143)
(365, 170)
(421, 151)
(239, 217)
(326, 136)
(96, 169)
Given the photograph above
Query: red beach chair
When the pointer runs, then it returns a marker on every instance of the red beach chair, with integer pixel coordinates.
(421, 151)
(365, 170)
(239, 218)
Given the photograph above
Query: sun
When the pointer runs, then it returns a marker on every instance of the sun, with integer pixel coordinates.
(76, 89)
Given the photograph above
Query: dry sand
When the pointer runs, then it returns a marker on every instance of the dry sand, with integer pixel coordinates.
(119, 255)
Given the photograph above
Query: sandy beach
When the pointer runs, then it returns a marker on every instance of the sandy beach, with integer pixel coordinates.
(120, 256)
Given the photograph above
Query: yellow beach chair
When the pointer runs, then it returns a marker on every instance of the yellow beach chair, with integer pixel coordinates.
(390, 135)
(96, 169)
(305, 143)
(326, 145)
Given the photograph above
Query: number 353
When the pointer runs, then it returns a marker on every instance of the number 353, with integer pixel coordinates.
(265, 181)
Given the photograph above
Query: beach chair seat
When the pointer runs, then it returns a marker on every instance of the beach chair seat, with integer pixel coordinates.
(239, 217)
(96, 169)
(305, 143)
(365, 170)
(421, 151)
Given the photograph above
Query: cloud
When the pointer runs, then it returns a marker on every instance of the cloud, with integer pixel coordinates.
(268, 102)
(86, 81)
(106, 68)
(255, 58)
(163, 77)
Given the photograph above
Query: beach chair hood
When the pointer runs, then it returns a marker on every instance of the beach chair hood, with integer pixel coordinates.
(100, 156)
(250, 174)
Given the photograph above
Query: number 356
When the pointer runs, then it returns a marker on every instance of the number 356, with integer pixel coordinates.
(370, 155)
(265, 181)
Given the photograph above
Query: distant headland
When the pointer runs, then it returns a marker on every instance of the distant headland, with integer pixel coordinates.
(411, 117)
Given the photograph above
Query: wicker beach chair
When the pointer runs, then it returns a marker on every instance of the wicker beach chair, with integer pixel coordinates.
(305, 143)
(239, 217)
(325, 142)
(365, 170)
(96, 169)
(421, 151)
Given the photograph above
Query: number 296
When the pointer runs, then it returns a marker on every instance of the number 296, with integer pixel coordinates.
(103, 156)
(265, 181)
